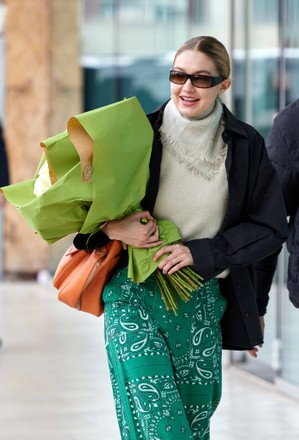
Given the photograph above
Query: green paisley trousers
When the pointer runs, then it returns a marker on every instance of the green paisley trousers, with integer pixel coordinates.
(165, 369)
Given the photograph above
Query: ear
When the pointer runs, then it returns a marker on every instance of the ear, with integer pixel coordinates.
(224, 86)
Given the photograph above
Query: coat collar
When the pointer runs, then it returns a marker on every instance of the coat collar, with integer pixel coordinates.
(232, 123)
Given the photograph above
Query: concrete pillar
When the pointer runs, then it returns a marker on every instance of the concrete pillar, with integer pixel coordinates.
(43, 89)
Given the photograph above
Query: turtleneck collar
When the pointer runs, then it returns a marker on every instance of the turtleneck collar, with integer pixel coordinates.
(197, 142)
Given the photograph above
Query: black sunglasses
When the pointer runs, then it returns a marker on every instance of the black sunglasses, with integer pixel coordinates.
(200, 81)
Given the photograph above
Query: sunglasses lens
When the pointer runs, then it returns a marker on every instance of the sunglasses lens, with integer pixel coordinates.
(177, 77)
(202, 81)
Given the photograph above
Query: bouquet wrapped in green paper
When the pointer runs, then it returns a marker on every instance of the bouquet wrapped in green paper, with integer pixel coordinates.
(96, 171)
(178, 285)
(62, 208)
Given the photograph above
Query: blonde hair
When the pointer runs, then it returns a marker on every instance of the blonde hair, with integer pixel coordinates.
(213, 49)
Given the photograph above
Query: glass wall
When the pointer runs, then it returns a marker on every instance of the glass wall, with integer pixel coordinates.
(266, 67)
(128, 45)
(289, 93)
(256, 61)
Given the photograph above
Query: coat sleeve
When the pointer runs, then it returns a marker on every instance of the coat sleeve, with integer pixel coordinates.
(293, 265)
(282, 139)
(279, 150)
(260, 230)
(264, 272)
(89, 242)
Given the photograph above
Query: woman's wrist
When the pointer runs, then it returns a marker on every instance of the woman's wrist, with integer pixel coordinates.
(105, 228)
(109, 229)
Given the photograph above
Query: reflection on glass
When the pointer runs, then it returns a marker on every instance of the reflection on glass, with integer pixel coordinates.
(128, 45)
(265, 70)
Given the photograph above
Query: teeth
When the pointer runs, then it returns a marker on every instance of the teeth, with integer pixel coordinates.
(188, 99)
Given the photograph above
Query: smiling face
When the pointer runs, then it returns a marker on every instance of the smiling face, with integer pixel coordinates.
(192, 101)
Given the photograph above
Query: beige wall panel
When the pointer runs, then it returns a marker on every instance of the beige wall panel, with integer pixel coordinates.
(43, 89)
(65, 72)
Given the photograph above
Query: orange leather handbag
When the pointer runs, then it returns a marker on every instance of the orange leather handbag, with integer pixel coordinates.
(81, 276)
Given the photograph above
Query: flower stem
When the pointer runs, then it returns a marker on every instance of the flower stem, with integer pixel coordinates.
(178, 285)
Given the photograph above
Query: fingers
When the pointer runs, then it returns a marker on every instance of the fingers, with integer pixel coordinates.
(138, 229)
(254, 351)
(173, 267)
(148, 233)
(141, 230)
(178, 256)
(143, 215)
(151, 229)
(149, 238)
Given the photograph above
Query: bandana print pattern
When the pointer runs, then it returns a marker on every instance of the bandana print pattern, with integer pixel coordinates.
(165, 369)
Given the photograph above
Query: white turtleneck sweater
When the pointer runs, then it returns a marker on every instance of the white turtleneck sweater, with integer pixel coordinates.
(193, 190)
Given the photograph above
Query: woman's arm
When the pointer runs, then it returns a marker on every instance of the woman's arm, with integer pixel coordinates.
(279, 150)
(264, 271)
(261, 231)
(89, 242)
(132, 230)
(138, 229)
(293, 264)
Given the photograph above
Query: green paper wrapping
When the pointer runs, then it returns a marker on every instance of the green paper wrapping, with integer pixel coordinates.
(179, 285)
(61, 155)
(99, 170)
(141, 264)
(59, 211)
(120, 138)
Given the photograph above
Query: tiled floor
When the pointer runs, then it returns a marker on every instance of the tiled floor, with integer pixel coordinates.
(54, 382)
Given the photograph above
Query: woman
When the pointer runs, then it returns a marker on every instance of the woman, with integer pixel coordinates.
(215, 182)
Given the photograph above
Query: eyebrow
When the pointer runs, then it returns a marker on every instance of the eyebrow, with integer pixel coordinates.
(198, 72)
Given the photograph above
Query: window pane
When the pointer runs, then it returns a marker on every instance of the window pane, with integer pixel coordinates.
(128, 45)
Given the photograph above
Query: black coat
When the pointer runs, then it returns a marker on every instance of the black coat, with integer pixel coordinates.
(255, 226)
(283, 150)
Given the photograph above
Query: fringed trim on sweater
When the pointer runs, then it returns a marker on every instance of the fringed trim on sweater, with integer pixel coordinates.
(198, 144)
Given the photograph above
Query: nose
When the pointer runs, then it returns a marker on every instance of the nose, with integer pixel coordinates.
(188, 84)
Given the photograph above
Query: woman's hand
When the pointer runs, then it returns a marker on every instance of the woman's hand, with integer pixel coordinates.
(179, 256)
(254, 351)
(131, 230)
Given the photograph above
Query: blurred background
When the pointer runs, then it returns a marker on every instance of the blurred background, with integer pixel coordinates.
(60, 58)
